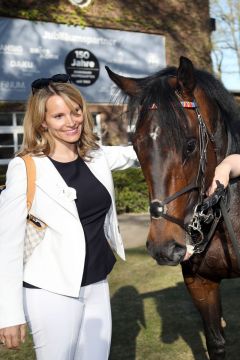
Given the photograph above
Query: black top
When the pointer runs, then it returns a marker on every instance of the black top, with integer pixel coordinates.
(93, 202)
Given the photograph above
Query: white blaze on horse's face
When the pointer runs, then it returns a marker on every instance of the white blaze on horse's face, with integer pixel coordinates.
(154, 134)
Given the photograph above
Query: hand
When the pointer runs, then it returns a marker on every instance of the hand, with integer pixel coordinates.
(222, 173)
(13, 336)
(213, 186)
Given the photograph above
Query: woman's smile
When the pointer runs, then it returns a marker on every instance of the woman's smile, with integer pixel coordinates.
(72, 132)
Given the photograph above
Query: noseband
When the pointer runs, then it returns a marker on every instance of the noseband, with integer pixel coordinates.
(158, 209)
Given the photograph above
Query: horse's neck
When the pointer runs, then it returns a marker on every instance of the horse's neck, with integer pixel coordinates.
(223, 142)
(234, 205)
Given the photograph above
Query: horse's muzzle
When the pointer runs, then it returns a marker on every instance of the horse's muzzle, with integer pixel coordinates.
(171, 253)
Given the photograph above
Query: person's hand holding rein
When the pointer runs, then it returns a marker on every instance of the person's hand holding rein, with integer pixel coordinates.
(13, 336)
(228, 168)
(222, 174)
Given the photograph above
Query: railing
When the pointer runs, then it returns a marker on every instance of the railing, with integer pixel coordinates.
(11, 135)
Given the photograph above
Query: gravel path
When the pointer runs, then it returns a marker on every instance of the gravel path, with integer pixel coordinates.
(134, 229)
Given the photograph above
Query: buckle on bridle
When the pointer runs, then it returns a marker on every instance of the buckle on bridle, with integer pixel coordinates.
(157, 209)
(195, 224)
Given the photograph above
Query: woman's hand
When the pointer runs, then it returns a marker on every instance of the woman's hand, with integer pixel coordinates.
(228, 168)
(13, 336)
(222, 174)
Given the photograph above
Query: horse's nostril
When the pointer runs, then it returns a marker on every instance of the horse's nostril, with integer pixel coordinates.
(170, 253)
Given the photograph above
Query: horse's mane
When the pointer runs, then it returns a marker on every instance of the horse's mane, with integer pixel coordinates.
(155, 89)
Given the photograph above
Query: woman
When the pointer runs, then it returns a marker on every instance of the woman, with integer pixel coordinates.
(62, 290)
(228, 168)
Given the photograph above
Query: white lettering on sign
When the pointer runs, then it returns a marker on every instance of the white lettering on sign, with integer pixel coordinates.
(43, 53)
(22, 64)
(153, 59)
(83, 63)
(7, 85)
(58, 35)
(11, 49)
(82, 54)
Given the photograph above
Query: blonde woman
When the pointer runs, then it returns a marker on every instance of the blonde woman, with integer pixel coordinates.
(62, 290)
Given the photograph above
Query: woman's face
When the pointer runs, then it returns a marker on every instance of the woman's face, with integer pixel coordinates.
(62, 123)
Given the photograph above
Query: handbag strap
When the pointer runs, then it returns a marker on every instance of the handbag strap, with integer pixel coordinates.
(31, 177)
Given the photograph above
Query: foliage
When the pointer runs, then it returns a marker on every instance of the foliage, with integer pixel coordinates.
(2, 180)
(131, 191)
(3, 169)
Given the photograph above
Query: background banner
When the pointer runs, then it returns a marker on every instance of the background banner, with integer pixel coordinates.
(31, 50)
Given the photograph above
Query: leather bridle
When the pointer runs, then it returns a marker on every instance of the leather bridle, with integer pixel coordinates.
(158, 208)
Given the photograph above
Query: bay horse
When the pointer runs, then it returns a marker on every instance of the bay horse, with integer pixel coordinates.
(186, 122)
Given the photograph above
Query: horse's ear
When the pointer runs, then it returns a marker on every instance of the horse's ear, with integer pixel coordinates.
(128, 85)
(185, 76)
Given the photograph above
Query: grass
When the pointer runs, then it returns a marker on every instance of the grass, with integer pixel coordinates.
(152, 312)
(153, 316)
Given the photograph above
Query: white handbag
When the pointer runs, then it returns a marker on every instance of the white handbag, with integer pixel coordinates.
(35, 228)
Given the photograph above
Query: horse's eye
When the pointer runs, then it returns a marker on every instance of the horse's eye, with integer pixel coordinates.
(191, 145)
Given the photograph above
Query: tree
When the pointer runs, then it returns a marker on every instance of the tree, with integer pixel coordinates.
(226, 38)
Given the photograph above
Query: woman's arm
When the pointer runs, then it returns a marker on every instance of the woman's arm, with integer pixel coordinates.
(228, 168)
(13, 213)
(120, 157)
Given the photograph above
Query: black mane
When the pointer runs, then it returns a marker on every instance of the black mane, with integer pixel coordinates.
(155, 89)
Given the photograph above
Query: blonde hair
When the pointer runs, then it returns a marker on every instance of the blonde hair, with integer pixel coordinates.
(36, 140)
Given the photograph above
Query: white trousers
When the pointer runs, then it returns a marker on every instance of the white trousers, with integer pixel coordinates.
(66, 328)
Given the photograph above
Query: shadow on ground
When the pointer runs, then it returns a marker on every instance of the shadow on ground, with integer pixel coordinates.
(179, 319)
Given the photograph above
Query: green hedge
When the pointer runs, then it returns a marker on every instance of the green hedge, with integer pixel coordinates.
(131, 191)
(3, 169)
(2, 179)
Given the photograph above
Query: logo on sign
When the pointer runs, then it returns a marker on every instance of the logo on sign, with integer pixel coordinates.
(80, 3)
(83, 67)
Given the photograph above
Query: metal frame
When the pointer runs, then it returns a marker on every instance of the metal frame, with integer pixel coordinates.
(11, 129)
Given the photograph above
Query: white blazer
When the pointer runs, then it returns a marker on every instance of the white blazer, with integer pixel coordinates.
(57, 262)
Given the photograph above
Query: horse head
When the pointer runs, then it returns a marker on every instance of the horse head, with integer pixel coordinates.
(180, 137)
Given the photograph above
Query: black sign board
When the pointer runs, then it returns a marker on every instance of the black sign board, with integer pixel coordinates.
(83, 67)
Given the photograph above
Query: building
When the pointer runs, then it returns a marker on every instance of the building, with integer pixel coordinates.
(185, 27)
